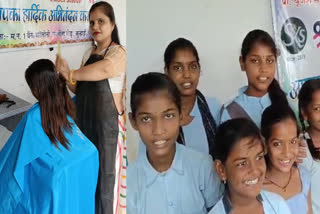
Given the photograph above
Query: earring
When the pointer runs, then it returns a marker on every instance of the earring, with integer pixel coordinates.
(224, 181)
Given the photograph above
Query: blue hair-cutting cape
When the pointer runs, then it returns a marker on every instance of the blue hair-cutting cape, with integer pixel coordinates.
(36, 177)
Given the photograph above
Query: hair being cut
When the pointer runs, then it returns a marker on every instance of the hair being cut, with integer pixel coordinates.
(49, 88)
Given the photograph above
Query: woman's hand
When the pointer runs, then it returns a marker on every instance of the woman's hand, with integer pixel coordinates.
(62, 67)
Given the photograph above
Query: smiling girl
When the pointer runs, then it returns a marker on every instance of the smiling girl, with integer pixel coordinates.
(239, 161)
(280, 130)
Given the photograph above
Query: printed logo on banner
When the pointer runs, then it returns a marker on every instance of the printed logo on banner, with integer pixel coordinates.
(296, 86)
(316, 30)
(293, 35)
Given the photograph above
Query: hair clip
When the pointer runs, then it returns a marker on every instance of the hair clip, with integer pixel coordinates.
(306, 135)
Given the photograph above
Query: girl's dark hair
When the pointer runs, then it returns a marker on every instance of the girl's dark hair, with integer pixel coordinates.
(49, 88)
(108, 11)
(273, 115)
(179, 44)
(305, 98)
(151, 82)
(231, 132)
(261, 37)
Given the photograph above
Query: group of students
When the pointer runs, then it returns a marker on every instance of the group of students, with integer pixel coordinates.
(69, 155)
(196, 156)
(243, 157)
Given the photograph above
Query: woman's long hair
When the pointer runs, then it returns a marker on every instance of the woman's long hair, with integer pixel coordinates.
(49, 88)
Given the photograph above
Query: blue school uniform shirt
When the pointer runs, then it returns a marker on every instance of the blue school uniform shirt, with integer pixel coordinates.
(190, 185)
(272, 204)
(254, 106)
(37, 177)
(299, 202)
(313, 167)
(194, 133)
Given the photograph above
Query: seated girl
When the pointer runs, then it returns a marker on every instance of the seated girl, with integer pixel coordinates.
(48, 165)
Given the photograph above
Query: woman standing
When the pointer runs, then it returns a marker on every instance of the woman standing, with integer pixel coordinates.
(99, 86)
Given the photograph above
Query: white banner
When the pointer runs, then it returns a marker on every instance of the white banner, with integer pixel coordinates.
(35, 23)
(297, 34)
